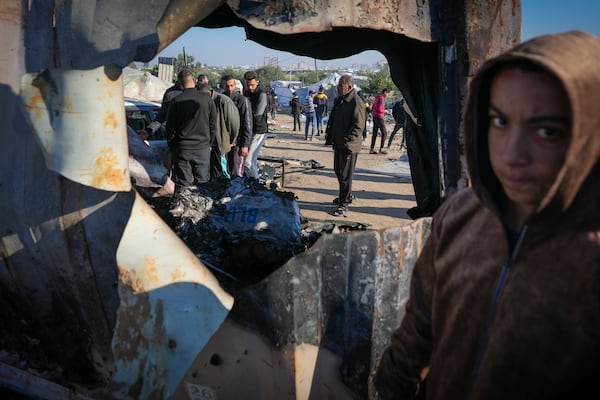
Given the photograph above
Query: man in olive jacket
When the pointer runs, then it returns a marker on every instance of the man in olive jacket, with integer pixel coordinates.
(345, 128)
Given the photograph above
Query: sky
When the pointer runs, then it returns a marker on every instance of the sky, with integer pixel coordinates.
(229, 47)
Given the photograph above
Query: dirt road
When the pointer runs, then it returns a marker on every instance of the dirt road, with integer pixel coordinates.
(381, 183)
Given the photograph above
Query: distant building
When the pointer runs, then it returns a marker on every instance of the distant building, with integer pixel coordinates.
(271, 61)
(166, 69)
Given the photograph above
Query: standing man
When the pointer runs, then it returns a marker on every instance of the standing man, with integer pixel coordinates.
(378, 112)
(201, 80)
(398, 114)
(296, 107)
(226, 130)
(168, 97)
(321, 108)
(345, 131)
(191, 122)
(308, 109)
(244, 137)
(258, 100)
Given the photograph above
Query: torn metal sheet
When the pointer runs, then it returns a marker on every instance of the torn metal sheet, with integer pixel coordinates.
(170, 307)
(148, 173)
(416, 19)
(79, 120)
(180, 15)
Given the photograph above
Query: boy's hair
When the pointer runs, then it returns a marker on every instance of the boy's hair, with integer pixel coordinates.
(250, 75)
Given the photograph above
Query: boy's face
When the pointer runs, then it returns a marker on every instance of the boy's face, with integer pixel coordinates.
(252, 84)
(529, 133)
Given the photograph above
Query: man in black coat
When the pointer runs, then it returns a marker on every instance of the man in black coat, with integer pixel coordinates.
(191, 124)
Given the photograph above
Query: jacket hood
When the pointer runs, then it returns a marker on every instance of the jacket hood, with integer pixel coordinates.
(574, 58)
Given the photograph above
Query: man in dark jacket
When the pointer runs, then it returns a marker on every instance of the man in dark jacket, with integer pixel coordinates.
(296, 106)
(258, 99)
(398, 114)
(191, 124)
(161, 116)
(345, 131)
(244, 137)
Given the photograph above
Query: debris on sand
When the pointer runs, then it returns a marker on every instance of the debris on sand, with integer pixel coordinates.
(238, 227)
(243, 230)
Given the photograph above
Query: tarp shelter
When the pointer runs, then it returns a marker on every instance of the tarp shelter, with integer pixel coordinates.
(284, 90)
(142, 85)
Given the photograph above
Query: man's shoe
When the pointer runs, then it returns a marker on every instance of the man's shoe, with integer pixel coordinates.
(372, 152)
(340, 212)
(382, 151)
(337, 199)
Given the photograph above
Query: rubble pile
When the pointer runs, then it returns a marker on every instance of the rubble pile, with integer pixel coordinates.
(242, 229)
(239, 228)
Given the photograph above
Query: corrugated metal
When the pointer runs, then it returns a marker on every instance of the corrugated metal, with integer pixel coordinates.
(316, 327)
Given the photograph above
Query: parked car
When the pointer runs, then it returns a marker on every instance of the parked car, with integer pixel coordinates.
(140, 114)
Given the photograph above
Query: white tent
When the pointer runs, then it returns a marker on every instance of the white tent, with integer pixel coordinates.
(284, 90)
(141, 85)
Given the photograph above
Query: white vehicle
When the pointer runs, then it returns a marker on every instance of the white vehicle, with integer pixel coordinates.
(140, 114)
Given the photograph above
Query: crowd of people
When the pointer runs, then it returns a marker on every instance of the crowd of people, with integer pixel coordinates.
(219, 132)
(213, 133)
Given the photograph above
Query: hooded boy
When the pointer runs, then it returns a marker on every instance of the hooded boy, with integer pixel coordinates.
(505, 296)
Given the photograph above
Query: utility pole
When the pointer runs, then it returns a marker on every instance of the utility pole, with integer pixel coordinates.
(316, 70)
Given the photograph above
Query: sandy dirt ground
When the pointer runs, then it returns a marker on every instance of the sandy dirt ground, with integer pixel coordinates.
(382, 183)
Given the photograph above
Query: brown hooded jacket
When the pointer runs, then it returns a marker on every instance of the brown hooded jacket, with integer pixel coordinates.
(526, 325)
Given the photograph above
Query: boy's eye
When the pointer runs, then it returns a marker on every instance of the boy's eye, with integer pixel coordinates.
(497, 121)
(549, 133)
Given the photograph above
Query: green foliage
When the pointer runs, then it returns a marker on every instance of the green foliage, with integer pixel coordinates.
(379, 81)
(376, 83)
(189, 62)
(237, 74)
(269, 73)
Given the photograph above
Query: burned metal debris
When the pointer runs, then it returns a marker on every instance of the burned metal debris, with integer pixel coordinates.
(239, 228)
(242, 229)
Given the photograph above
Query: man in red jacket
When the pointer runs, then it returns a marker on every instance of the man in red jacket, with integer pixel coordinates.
(378, 113)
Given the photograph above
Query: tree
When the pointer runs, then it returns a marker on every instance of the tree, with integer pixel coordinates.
(189, 62)
(378, 81)
(269, 73)
(237, 74)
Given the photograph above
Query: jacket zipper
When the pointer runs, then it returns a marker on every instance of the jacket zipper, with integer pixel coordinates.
(485, 333)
